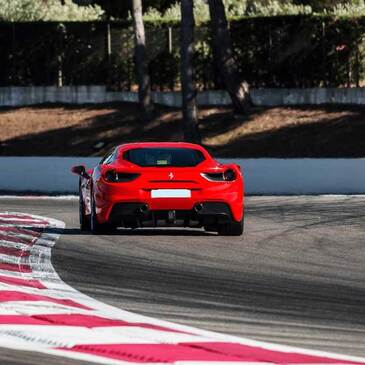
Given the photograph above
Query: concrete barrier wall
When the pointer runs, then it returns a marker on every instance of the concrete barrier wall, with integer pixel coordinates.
(21, 96)
(262, 176)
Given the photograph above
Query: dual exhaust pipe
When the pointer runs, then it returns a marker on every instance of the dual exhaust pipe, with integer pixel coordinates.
(198, 207)
(145, 208)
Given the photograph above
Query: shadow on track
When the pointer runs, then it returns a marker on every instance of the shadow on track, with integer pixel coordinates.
(126, 232)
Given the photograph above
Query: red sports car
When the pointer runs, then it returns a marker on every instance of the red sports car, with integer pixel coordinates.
(161, 184)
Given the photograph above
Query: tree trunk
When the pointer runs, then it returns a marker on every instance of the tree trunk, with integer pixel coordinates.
(224, 59)
(190, 118)
(144, 87)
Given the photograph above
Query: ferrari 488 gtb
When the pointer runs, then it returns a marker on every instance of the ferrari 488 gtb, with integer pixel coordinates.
(161, 184)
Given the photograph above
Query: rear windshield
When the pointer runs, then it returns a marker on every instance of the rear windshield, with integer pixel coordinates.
(164, 157)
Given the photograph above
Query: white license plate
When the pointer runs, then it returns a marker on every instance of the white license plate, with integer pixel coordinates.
(171, 193)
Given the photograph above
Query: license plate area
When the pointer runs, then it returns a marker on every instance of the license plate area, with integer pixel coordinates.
(171, 193)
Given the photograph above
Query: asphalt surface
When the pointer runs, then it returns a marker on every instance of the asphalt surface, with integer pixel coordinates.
(296, 277)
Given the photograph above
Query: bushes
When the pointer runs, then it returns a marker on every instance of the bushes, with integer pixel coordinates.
(164, 71)
(287, 51)
(52, 10)
(300, 51)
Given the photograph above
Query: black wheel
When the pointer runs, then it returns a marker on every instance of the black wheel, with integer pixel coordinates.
(84, 219)
(231, 229)
(95, 226)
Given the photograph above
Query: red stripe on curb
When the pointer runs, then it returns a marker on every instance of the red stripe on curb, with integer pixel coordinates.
(89, 321)
(22, 282)
(20, 230)
(21, 221)
(169, 353)
(21, 320)
(14, 239)
(13, 296)
(23, 216)
(258, 354)
(77, 320)
(10, 251)
(15, 267)
(149, 353)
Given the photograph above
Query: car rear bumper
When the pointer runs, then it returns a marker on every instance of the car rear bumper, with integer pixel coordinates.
(137, 214)
(219, 200)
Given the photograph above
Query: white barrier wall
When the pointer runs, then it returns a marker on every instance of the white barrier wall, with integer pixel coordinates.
(264, 176)
(94, 94)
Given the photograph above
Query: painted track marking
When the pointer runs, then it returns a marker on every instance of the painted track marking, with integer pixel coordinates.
(39, 312)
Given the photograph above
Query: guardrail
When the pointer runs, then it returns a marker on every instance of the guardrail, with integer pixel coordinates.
(266, 176)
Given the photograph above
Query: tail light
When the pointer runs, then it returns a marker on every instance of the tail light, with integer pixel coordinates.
(228, 175)
(215, 176)
(115, 177)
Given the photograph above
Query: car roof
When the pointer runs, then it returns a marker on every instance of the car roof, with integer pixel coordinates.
(159, 144)
(127, 146)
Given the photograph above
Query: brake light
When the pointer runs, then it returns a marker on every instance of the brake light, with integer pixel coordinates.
(116, 177)
(215, 176)
(228, 175)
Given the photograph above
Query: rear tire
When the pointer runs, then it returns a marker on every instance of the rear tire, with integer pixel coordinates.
(231, 229)
(84, 219)
(95, 226)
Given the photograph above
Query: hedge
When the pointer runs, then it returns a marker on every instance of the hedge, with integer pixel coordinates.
(286, 51)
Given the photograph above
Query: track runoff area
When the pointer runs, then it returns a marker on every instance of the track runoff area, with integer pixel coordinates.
(294, 237)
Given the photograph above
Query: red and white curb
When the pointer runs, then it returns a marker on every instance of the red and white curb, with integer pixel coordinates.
(39, 312)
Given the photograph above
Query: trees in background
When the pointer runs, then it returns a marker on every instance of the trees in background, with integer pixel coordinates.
(47, 10)
(323, 5)
(144, 87)
(170, 9)
(85, 10)
(217, 11)
(190, 116)
(120, 9)
(224, 57)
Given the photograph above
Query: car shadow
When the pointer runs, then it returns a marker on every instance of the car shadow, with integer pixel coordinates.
(127, 232)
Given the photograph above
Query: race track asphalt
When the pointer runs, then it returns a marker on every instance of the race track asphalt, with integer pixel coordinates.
(296, 277)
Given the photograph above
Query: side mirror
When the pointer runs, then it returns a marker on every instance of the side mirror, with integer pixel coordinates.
(80, 170)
